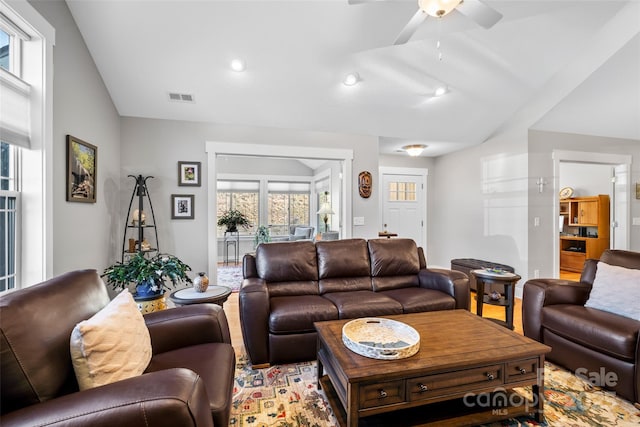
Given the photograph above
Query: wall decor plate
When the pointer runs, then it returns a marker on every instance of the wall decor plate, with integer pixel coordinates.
(380, 338)
(566, 192)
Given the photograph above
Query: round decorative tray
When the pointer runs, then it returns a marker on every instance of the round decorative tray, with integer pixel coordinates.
(380, 338)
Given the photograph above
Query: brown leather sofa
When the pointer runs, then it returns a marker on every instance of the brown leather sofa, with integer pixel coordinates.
(189, 381)
(290, 285)
(585, 340)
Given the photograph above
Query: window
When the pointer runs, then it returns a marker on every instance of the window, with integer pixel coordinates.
(4, 50)
(243, 196)
(402, 191)
(288, 205)
(9, 219)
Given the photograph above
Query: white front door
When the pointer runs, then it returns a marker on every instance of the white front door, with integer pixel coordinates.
(404, 204)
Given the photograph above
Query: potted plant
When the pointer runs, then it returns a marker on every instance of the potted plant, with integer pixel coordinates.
(232, 219)
(150, 275)
(263, 235)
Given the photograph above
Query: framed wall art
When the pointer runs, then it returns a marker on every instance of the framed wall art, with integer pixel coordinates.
(182, 206)
(82, 162)
(189, 174)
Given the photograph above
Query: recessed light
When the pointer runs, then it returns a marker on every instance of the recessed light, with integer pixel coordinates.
(351, 79)
(238, 65)
(441, 91)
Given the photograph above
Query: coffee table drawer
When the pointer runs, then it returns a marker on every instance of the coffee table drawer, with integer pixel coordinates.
(521, 370)
(426, 387)
(381, 394)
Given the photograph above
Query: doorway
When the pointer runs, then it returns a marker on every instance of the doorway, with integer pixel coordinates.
(403, 198)
(214, 149)
(618, 186)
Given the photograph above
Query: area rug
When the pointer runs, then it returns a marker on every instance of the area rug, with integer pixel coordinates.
(230, 276)
(287, 396)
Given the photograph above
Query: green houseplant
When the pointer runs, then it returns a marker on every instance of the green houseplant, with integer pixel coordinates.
(232, 219)
(150, 275)
(263, 235)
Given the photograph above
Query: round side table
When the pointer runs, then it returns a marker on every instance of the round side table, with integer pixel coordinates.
(214, 294)
(505, 278)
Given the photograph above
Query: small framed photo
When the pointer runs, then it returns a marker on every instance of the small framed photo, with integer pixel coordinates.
(189, 174)
(82, 163)
(182, 206)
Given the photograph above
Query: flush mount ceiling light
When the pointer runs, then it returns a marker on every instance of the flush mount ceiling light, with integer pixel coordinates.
(238, 65)
(351, 79)
(414, 149)
(438, 8)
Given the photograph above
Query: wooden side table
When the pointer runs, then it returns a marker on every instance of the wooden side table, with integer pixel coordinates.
(214, 294)
(508, 280)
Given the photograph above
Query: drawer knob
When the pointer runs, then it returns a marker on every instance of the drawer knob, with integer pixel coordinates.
(522, 370)
(423, 387)
(490, 376)
(382, 393)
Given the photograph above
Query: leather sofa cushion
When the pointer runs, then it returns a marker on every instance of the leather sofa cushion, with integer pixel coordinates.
(287, 261)
(210, 361)
(296, 314)
(416, 300)
(394, 282)
(604, 332)
(301, 287)
(343, 284)
(356, 304)
(343, 258)
(393, 257)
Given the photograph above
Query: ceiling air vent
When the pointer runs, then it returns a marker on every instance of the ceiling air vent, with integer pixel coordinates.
(180, 97)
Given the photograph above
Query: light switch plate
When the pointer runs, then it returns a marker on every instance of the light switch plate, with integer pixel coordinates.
(358, 220)
(636, 221)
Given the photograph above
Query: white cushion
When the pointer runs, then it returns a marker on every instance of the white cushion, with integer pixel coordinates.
(616, 290)
(112, 345)
(301, 231)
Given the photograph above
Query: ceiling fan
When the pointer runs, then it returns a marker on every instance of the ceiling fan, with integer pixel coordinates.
(474, 9)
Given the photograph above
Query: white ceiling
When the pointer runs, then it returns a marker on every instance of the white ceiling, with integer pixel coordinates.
(297, 53)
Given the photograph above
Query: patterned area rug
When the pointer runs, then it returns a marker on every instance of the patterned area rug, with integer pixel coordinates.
(230, 276)
(287, 396)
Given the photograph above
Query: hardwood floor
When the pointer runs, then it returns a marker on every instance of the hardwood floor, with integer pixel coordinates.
(233, 318)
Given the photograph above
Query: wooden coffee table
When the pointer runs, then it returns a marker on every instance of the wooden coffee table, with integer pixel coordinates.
(465, 371)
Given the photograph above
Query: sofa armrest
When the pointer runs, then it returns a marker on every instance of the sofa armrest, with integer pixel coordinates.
(253, 304)
(451, 282)
(186, 326)
(173, 397)
(538, 293)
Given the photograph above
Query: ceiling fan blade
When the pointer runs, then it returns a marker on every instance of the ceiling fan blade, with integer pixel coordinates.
(411, 27)
(481, 13)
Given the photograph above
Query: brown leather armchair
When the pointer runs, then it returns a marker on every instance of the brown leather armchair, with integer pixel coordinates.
(585, 340)
(189, 381)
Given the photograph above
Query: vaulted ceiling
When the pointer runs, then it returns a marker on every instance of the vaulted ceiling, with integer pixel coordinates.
(297, 54)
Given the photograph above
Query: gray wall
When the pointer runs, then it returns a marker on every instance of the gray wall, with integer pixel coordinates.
(153, 147)
(83, 235)
(541, 146)
(478, 203)
(585, 179)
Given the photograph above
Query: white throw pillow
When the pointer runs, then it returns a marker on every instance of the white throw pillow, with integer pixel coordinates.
(616, 290)
(112, 345)
(301, 231)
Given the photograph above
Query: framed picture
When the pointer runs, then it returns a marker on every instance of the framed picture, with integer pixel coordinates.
(189, 174)
(82, 162)
(637, 190)
(182, 206)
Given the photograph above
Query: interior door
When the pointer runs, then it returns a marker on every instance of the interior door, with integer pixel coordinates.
(403, 206)
(620, 208)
